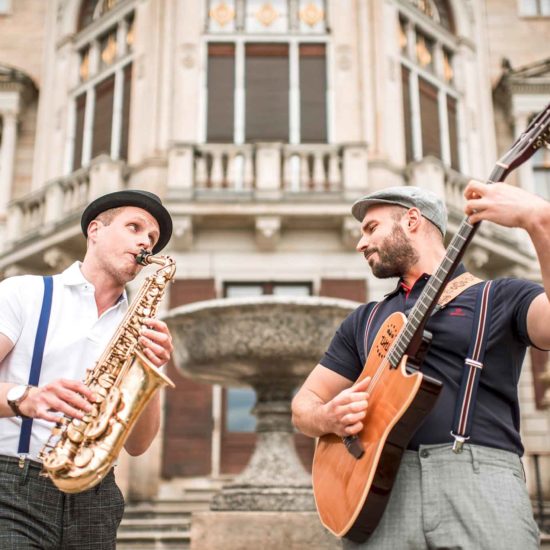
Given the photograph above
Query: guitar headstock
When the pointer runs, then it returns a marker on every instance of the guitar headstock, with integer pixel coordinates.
(536, 135)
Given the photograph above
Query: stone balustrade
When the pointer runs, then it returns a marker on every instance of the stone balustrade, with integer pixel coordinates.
(266, 170)
(37, 212)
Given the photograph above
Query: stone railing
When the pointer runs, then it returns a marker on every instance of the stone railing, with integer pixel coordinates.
(37, 213)
(266, 170)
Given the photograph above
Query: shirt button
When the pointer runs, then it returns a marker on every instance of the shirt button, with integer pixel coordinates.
(424, 453)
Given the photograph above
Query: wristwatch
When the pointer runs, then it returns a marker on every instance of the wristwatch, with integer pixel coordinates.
(15, 396)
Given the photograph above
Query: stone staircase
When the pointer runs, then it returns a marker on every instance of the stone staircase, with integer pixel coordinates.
(165, 523)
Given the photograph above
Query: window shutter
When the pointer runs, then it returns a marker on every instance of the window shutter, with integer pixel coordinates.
(313, 93)
(453, 132)
(103, 117)
(221, 93)
(429, 115)
(125, 127)
(79, 130)
(407, 114)
(267, 89)
(539, 363)
(349, 289)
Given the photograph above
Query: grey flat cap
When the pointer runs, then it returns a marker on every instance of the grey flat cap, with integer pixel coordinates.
(429, 204)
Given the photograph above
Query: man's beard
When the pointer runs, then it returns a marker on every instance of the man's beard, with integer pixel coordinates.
(395, 255)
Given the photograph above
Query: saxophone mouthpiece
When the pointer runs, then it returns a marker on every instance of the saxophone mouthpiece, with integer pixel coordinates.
(141, 258)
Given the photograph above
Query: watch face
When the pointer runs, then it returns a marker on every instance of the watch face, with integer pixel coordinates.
(15, 393)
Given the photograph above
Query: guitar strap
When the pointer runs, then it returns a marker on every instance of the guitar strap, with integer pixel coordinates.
(465, 403)
(452, 290)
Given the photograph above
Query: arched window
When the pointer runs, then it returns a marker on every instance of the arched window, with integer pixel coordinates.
(101, 112)
(430, 99)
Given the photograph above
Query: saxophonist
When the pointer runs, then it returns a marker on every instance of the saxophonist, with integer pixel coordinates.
(87, 304)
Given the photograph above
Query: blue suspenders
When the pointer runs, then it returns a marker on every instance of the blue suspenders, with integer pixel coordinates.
(36, 362)
(465, 403)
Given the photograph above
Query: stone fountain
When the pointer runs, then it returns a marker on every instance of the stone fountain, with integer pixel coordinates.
(270, 343)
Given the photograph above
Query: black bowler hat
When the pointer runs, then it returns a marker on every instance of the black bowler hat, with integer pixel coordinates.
(131, 197)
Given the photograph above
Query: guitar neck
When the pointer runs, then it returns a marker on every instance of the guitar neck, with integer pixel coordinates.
(408, 342)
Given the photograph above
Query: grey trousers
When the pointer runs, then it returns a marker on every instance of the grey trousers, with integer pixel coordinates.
(441, 500)
(34, 514)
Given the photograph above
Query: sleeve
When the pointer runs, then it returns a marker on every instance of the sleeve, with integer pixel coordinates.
(12, 313)
(517, 295)
(343, 355)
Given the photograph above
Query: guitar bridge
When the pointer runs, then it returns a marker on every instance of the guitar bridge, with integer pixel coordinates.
(354, 446)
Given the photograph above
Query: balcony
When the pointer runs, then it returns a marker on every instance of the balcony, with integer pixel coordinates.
(265, 187)
(260, 185)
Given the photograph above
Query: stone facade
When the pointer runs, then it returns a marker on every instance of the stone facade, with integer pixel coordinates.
(259, 213)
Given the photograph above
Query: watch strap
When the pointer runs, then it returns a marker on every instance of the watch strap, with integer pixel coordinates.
(14, 404)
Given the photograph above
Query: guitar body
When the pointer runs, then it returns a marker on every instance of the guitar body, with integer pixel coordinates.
(351, 494)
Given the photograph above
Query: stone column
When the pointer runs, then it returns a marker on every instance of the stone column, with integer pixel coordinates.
(268, 171)
(7, 158)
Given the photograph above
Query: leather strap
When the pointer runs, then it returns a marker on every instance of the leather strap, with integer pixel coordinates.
(457, 286)
(452, 290)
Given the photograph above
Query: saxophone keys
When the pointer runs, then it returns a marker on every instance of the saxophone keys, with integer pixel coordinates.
(83, 457)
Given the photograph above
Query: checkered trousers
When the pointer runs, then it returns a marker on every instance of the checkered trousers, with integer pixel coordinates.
(34, 514)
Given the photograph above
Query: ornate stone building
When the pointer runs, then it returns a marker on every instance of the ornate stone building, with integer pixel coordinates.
(259, 122)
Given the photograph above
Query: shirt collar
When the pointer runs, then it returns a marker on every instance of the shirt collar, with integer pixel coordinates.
(401, 286)
(72, 276)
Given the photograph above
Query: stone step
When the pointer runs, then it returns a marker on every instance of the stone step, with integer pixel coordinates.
(182, 523)
(153, 540)
(174, 508)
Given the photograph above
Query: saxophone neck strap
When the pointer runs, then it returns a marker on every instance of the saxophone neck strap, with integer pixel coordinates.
(36, 362)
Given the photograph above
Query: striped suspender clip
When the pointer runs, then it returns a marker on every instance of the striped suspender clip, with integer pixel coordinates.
(473, 365)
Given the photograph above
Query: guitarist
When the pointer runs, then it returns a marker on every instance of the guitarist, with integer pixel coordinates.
(475, 498)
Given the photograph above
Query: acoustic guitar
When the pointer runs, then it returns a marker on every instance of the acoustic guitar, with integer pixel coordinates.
(353, 476)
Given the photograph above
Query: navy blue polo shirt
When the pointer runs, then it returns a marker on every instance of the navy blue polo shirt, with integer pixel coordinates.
(496, 418)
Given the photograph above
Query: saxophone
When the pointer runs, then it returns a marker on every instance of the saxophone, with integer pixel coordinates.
(80, 453)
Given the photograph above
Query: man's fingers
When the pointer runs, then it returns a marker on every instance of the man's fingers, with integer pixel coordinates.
(352, 418)
(357, 406)
(75, 386)
(354, 429)
(474, 189)
(361, 385)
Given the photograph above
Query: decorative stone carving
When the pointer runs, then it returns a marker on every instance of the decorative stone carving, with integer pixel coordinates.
(222, 13)
(188, 55)
(182, 235)
(343, 57)
(311, 14)
(351, 233)
(268, 232)
(267, 14)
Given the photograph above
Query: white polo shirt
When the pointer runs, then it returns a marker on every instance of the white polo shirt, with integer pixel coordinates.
(76, 338)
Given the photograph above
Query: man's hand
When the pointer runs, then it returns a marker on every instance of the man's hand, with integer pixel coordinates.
(504, 204)
(344, 413)
(69, 397)
(156, 341)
